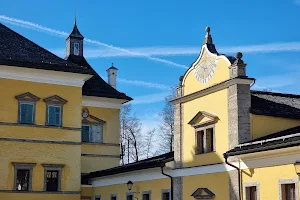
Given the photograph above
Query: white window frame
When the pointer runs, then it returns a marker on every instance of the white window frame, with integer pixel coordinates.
(146, 192)
(78, 45)
(251, 184)
(165, 191)
(204, 128)
(20, 112)
(60, 114)
(114, 195)
(282, 182)
(91, 133)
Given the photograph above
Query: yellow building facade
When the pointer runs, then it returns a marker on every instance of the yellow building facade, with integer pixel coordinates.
(231, 142)
(59, 119)
(60, 129)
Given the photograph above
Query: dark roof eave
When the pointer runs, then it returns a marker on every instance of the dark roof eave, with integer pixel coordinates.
(45, 66)
(265, 148)
(140, 165)
(255, 112)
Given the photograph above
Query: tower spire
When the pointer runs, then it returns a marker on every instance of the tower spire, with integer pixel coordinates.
(208, 38)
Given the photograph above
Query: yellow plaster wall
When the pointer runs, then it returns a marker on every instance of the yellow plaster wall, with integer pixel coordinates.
(216, 182)
(216, 104)
(28, 132)
(191, 84)
(121, 189)
(100, 149)
(12, 88)
(86, 191)
(90, 164)
(38, 196)
(111, 134)
(41, 154)
(264, 125)
(268, 178)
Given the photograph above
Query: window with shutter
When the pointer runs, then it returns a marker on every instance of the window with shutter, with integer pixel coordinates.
(205, 140)
(85, 133)
(26, 113)
(92, 133)
(54, 115)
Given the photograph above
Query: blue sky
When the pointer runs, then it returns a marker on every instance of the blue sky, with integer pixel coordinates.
(155, 41)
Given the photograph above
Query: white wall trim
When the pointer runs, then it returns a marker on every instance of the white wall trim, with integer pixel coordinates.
(43, 76)
(155, 173)
(102, 102)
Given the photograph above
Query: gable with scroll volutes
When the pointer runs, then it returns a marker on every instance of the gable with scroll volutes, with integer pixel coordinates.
(209, 69)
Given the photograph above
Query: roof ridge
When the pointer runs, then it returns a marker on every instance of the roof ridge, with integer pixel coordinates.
(275, 93)
(19, 35)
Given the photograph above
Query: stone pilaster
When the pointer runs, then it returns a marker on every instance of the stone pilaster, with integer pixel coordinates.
(239, 102)
(178, 188)
(178, 143)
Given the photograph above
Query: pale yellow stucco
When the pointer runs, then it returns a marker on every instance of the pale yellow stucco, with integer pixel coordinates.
(155, 186)
(191, 84)
(263, 125)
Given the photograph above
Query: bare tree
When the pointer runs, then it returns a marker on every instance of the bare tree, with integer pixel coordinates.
(166, 128)
(149, 141)
(133, 143)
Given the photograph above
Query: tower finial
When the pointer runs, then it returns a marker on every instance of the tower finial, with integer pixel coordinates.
(208, 38)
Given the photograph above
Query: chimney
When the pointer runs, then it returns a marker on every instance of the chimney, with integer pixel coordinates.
(112, 76)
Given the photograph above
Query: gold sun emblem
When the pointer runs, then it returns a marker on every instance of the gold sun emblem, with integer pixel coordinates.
(205, 68)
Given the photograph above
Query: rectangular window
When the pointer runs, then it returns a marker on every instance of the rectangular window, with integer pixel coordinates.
(52, 180)
(22, 181)
(26, 115)
(166, 196)
(251, 193)
(204, 140)
(288, 192)
(129, 197)
(54, 115)
(146, 196)
(92, 133)
(76, 48)
(113, 197)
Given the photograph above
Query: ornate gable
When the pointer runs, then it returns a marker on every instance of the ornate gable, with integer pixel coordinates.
(27, 97)
(203, 193)
(55, 100)
(203, 118)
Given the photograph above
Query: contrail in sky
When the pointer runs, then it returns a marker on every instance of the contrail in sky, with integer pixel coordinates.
(35, 26)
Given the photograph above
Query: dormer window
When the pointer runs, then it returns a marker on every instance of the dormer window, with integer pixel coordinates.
(204, 124)
(76, 48)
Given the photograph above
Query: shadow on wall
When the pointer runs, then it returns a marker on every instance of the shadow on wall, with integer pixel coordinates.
(223, 184)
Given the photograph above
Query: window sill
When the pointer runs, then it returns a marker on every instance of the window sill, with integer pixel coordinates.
(97, 143)
(197, 154)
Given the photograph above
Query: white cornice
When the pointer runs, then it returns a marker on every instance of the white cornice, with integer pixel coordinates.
(212, 89)
(102, 102)
(43, 76)
(262, 159)
(155, 173)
